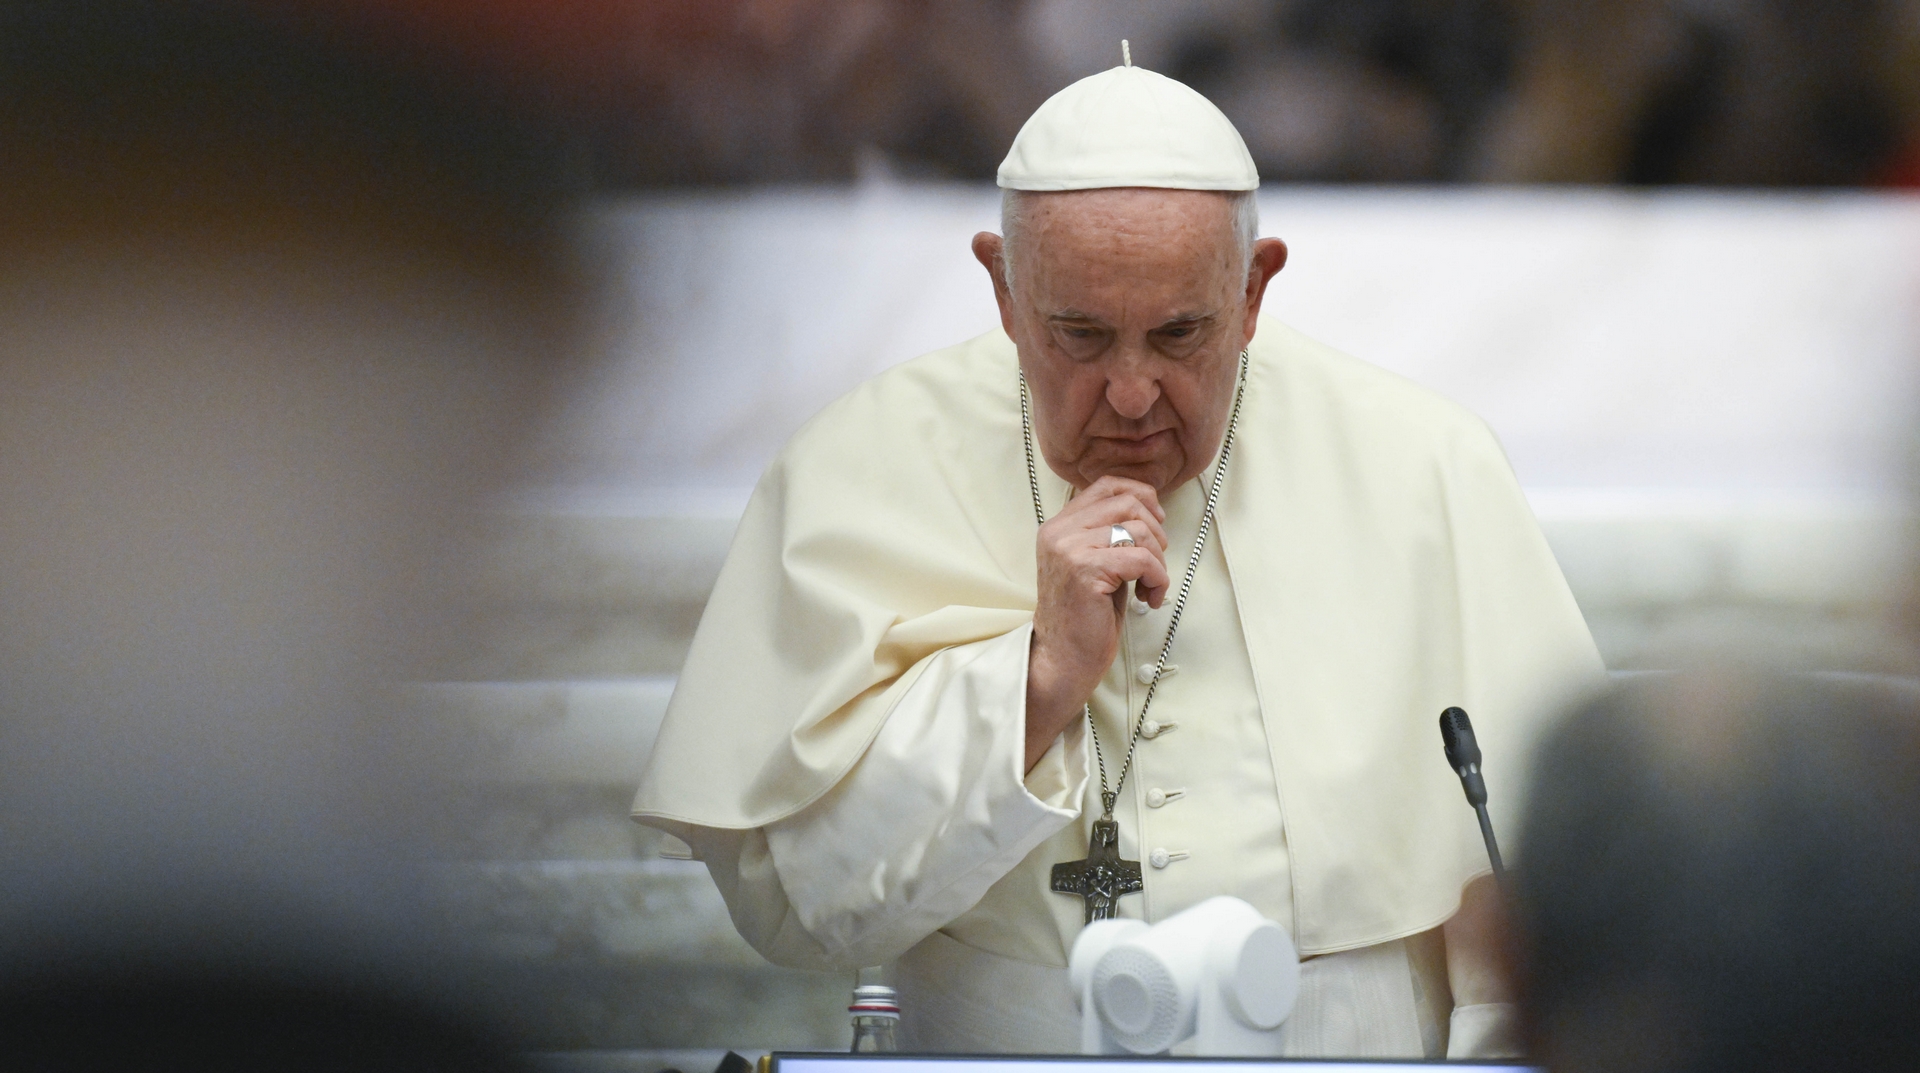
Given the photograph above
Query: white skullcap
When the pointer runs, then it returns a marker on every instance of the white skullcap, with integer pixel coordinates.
(1128, 127)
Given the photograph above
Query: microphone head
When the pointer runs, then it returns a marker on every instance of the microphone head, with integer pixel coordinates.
(1456, 732)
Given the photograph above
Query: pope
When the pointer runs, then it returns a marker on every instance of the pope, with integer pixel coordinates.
(1137, 600)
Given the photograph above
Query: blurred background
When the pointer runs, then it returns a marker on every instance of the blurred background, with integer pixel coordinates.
(384, 381)
(1641, 92)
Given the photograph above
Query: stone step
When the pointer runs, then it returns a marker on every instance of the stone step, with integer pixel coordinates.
(605, 956)
(600, 911)
(546, 732)
(574, 1007)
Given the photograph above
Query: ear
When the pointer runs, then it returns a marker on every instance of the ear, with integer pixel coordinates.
(1269, 257)
(990, 250)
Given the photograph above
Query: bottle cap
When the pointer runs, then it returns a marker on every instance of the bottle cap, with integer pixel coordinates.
(874, 1000)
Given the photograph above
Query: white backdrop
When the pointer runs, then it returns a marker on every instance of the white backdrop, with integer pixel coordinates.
(1731, 344)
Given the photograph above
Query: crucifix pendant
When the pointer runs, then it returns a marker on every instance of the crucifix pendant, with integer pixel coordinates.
(1102, 877)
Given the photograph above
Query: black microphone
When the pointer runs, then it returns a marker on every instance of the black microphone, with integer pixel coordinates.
(1463, 755)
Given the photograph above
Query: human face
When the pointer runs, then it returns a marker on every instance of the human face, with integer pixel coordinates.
(1130, 314)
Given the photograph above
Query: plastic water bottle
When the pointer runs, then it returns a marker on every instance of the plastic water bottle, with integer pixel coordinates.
(875, 1011)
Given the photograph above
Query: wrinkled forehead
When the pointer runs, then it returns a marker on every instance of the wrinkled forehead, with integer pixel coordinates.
(1177, 247)
(1203, 217)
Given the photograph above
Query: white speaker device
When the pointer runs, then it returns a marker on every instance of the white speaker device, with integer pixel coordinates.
(1218, 972)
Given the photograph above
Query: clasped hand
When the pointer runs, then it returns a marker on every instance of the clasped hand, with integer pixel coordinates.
(1082, 598)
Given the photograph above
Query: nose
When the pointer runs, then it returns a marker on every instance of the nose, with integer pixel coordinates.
(1132, 390)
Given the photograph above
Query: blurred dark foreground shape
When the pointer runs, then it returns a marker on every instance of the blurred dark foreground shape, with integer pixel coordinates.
(236, 1024)
(277, 303)
(1722, 873)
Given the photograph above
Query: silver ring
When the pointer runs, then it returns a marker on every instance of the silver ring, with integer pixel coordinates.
(1118, 537)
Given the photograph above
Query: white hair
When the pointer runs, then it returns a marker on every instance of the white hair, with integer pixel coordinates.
(1246, 226)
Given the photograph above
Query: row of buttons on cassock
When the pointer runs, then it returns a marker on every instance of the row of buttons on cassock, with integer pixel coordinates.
(1160, 856)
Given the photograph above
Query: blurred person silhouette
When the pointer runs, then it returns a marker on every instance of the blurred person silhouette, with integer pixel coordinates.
(1733, 93)
(278, 296)
(1741, 93)
(817, 90)
(1722, 872)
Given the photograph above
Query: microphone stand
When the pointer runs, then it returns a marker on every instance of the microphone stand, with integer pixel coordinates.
(1493, 847)
(1463, 755)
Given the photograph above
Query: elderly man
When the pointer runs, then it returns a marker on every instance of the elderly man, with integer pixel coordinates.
(1120, 584)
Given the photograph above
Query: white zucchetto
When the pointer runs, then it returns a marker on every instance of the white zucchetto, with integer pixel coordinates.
(1128, 127)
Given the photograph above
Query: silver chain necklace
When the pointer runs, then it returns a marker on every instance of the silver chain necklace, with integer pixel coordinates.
(1109, 796)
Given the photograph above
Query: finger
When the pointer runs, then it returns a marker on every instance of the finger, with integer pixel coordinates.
(1155, 580)
(1150, 595)
(1108, 487)
(1122, 510)
(1140, 530)
(1065, 537)
(1101, 497)
(1101, 567)
(1095, 528)
(1117, 566)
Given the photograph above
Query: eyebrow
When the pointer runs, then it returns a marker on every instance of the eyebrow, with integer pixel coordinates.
(1178, 318)
(1189, 317)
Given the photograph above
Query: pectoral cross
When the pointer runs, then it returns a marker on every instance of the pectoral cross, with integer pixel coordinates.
(1102, 877)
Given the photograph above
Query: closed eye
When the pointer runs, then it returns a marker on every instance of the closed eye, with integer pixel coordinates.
(1182, 333)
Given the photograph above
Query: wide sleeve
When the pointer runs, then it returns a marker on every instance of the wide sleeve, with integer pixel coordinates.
(893, 526)
(1484, 1030)
(1527, 653)
(936, 811)
(1387, 567)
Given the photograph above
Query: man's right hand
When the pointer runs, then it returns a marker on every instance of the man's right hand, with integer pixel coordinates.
(1082, 598)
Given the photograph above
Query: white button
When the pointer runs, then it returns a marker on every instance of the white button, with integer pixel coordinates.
(1144, 672)
(1139, 607)
(1153, 728)
(1160, 858)
(1157, 797)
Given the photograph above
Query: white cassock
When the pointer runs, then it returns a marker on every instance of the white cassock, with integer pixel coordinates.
(844, 748)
